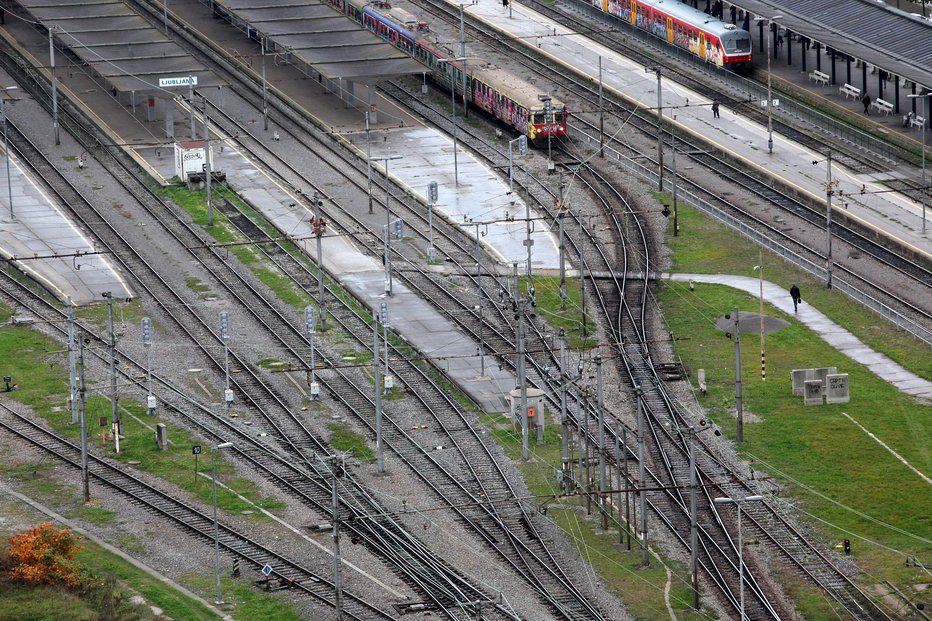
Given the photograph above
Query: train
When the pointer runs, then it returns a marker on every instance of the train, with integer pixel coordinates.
(497, 92)
(703, 35)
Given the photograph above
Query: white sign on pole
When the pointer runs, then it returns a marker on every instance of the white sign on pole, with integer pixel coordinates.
(185, 81)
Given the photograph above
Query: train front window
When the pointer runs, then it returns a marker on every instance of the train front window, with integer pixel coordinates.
(738, 44)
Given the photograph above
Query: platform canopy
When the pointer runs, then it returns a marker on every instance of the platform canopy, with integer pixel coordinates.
(867, 30)
(324, 39)
(120, 46)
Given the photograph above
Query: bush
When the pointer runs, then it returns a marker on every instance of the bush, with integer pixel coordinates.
(44, 555)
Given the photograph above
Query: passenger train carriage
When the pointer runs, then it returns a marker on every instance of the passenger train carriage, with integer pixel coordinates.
(705, 36)
(497, 92)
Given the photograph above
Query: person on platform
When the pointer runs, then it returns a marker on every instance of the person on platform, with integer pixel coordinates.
(866, 100)
(794, 293)
(715, 108)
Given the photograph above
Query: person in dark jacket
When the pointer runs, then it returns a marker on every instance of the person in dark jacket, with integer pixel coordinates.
(866, 100)
(715, 104)
(794, 293)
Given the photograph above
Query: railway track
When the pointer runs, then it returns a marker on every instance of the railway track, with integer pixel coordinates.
(642, 339)
(918, 276)
(549, 587)
(441, 584)
(187, 517)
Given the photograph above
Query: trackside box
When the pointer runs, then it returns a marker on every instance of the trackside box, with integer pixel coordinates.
(189, 158)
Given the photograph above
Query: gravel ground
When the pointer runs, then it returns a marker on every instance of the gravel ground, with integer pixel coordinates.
(177, 553)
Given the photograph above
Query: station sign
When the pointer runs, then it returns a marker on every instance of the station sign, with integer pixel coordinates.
(188, 80)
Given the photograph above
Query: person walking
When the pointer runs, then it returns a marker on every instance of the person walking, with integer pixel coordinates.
(794, 293)
(866, 100)
(715, 108)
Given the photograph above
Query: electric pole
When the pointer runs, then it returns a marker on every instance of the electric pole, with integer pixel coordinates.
(72, 372)
(642, 478)
(338, 465)
(599, 407)
(82, 394)
(114, 406)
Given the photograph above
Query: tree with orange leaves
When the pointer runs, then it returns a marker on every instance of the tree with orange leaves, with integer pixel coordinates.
(44, 555)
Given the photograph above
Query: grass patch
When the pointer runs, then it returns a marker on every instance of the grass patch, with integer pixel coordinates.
(27, 356)
(94, 514)
(833, 469)
(642, 589)
(547, 293)
(248, 602)
(124, 312)
(705, 247)
(273, 363)
(195, 285)
(175, 604)
(195, 203)
(131, 544)
(22, 602)
(344, 439)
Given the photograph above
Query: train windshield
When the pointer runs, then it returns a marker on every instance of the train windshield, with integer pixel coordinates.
(738, 43)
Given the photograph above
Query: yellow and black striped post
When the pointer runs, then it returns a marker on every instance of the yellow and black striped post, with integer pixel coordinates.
(236, 568)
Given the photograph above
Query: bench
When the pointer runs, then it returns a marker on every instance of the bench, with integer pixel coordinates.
(917, 121)
(849, 91)
(819, 77)
(882, 106)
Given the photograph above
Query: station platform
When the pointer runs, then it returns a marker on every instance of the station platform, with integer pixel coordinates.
(481, 196)
(39, 239)
(862, 197)
(426, 329)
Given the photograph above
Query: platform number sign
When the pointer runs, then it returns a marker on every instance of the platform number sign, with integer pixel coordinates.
(522, 145)
(432, 192)
(195, 450)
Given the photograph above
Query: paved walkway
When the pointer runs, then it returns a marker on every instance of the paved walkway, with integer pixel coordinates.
(831, 333)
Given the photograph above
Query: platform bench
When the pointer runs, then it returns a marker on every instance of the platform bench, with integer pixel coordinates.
(819, 77)
(917, 121)
(882, 106)
(849, 91)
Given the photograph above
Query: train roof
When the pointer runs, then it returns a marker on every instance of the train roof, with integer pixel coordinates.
(509, 84)
(687, 13)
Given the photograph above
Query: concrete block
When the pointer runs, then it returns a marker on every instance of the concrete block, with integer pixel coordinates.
(822, 373)
(837, 389)
(161, 436)
(813, 394)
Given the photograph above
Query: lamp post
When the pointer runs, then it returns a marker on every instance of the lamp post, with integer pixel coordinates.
(769, 21)
(449, 61)
(760, 271)
(925, 120)
(548, 122)
(6, 148)
(693, 524)
(769, 87)
(738, 502)
(388, 219)
(522, 150)
(213, 478)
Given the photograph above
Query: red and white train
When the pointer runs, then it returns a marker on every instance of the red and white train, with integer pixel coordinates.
(498, 92)
(705, 36)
